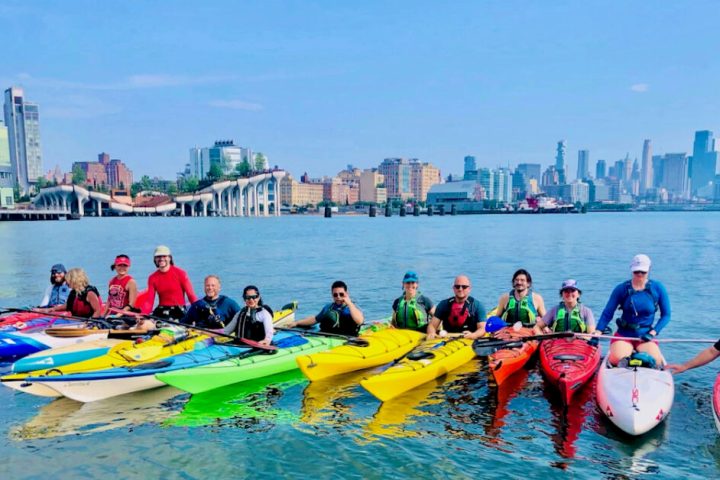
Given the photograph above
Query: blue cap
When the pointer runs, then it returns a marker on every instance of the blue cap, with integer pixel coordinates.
(58, 267)
(410, 277)
(493, 324)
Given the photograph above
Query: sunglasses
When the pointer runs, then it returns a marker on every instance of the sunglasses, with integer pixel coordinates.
(54, 272)
(251, 297)
(461, 287)
(338, 295)
(639, 273)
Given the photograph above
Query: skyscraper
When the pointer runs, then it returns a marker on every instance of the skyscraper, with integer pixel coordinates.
(560, 161)
(23, 124)
(675, 174)
(470, 170)
(646, 172)
(6, 175)
(600, 169)
(583, 170)
(703, 162)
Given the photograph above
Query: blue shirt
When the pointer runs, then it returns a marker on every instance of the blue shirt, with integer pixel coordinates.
(207, 313)
(638, 309)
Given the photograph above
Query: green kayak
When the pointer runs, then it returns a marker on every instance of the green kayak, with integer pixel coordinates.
(241, 369)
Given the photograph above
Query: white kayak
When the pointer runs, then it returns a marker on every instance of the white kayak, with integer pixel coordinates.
(636, 399)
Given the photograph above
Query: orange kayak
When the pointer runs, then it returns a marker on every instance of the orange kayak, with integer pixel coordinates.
(507, 361)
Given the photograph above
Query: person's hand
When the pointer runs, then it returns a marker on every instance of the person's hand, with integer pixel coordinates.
(675, 368)
(431, 336)
(468, 334)
(292, 324)
(346, 299)
(648, 336)
(265, 342)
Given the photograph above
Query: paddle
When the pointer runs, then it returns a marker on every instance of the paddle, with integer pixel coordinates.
(105, 322)
(356, 341)
(488, 345)
(636, 339)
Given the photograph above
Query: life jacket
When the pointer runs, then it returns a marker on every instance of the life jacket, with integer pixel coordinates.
(117, 292)
(410, 315)
(333, 319)
(630, 292)
(249, 326)
(571, 323)
(461, 317)
(78, 304)
(58, 294)
(207, 316)
(522, 311)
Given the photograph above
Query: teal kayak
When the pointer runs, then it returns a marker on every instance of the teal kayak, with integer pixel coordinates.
(243, 368)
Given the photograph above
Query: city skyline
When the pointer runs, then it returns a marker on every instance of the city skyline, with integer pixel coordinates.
(317, 87)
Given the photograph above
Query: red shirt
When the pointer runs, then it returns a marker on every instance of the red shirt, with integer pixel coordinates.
(171, 286)
(117, 292)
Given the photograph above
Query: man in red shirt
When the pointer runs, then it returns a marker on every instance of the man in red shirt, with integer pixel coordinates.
(172, 285)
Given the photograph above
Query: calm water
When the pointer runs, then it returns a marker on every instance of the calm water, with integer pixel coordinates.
(456, 427)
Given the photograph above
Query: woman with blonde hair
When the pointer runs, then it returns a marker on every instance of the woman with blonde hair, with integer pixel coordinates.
(83, 300)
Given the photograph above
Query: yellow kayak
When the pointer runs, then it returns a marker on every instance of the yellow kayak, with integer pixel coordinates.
(382, 347)
(124, 354)
(430, 360)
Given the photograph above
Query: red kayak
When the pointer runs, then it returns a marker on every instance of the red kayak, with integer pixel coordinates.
(568, 363)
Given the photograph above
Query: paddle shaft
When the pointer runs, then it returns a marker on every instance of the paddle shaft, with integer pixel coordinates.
(658, 340)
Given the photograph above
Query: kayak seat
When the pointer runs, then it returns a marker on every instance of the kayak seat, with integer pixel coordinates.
(569, 357)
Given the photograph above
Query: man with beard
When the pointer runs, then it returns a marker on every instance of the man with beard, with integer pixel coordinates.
(58, 291)
(521, 304)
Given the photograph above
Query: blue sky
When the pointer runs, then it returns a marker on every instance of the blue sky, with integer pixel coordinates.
(317, 85)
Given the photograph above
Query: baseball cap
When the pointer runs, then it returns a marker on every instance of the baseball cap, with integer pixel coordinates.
(494, 324)
(58, 267)
(570, 284)
(410, 277)
(640, 263)
(120, 260)
(161, 250)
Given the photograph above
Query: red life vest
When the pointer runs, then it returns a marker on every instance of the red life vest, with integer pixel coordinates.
(78, 304)
(459, 313)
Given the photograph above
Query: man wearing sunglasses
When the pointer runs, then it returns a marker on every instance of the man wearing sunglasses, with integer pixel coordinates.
(58, 291)
(460, 313)
(341, 316)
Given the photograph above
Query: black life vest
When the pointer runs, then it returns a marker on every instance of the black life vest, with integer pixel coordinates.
(337, 320)
(249, 326)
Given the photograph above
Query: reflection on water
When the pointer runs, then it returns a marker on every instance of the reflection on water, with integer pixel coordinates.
(249, 405)
(68, 417)
(634, 452)
(569, 421)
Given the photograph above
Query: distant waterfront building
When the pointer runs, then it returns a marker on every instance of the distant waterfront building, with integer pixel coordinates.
(583, 170)
(560, 164)
(486, 179)
(223, 153)
(23, 123)
(454, 192)
(703, 163)
(627, 168)
(300, 194)
(422, 177)
(551, 176)
(106, 173)
(598, 191)
(406, 179)
(619, 170)
(675, 175)
(657, 166)
(372, 186)
(6, 172)
(530, 170)
(646, 171)
(600, 169)
(470, 170)
(502, 185)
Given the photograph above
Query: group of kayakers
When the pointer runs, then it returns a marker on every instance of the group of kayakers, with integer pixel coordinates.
(644, 304)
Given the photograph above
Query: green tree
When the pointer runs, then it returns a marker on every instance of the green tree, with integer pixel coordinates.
(191, 184)
(216, 171)
(171, 189)
(41, 183)
(260, 162)
(243, 168)
(78, 175)
(146, 183)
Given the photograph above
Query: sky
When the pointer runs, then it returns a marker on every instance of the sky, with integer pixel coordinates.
(318, 85)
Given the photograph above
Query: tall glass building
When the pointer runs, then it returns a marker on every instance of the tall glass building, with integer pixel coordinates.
(23, 124)
(6, 174)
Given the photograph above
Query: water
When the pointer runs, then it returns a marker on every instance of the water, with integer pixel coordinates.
(457, 427)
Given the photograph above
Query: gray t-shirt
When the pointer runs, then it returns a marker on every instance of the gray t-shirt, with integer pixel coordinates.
(585, 313)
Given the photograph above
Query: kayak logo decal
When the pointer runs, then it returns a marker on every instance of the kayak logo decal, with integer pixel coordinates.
(660, 415)
(608, 411)
(635, 398)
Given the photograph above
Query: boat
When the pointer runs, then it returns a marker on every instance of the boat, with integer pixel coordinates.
(59, 356)
(635, 398)
(378, 348)
(96, 385)
(126, 353)
(243, 368)
(20, 343)
(716, 402)
(568, 363)
(427, 362)
(512, 358)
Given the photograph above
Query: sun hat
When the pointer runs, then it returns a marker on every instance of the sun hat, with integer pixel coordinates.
(162, 250)
(120, 260)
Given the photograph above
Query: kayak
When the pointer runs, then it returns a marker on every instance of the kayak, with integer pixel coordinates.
(716, 402)
(635, 398)
(31, 320)
(98, 385)
(20, 343)
(507, 361)
(427, 362)
(568, 363)
(126, 353)
(243, 368)
(59, 356)
(381, 347)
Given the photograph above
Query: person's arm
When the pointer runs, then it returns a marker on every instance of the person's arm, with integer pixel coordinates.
(46, 298)
(502, 304)
(588, 318)
(432, 327)
(95, 304)
(230, 327)
(151, 292)
(702, 358)
(267, 325)
(132, 292)
(393, 319)
(304, 322)
(539, 304)
(355, 313)
(543, 323)
(612, 304)
(664, 304)
(190, 316)
(188, 288)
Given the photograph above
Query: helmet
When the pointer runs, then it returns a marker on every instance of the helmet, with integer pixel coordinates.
(162, 250)
(494, 324)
